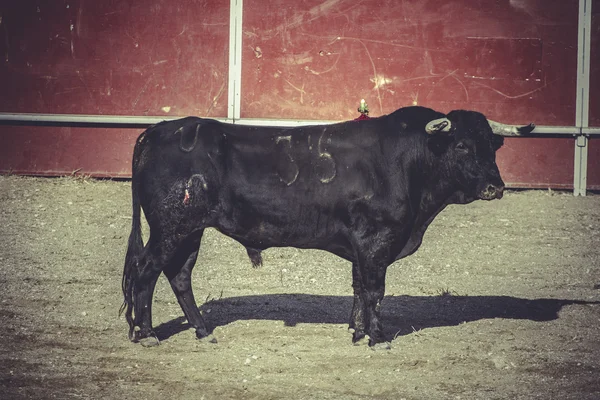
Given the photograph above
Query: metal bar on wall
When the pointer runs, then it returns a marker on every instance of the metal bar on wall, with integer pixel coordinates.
(132, 120)
(583, 97)
(81, 119)
(235, 59)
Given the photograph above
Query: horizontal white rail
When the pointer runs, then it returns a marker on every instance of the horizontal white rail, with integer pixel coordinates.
(125, 120)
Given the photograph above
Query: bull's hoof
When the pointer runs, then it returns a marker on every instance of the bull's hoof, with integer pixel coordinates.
(363, 341)
(206, 339)
(150, 341)
(380, 346)
(137, 336)
(358, 337)
(134, 334)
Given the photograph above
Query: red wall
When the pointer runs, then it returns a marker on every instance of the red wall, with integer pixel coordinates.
(537, 163)
(515, 61)
(56, 151)
(594, 150)
(315, 59)
(593, 178)
(595, 66)
(115, 57)
(122, 57)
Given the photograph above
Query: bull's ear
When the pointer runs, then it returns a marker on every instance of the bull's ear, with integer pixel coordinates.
(438, 126)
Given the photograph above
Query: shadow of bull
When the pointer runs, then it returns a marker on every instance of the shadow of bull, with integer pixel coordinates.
(401, 315)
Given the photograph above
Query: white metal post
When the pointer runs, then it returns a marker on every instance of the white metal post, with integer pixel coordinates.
(235, 59)
(583, 97)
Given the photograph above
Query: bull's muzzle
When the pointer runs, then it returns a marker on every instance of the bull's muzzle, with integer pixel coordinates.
(491, 192)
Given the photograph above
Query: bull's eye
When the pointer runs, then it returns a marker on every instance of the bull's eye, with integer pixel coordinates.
(461, 148)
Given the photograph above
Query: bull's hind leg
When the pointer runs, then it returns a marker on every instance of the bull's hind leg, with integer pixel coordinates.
(158, 253)
(179, 273)
(148, 271)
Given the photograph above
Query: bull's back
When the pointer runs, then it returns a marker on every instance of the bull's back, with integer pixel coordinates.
(265, 186)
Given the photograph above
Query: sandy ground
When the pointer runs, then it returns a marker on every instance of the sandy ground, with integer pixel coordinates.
(500, 302)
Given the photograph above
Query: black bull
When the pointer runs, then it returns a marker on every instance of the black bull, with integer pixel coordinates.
(363, 190)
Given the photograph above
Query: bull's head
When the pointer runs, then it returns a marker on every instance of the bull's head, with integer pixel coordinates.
(470, 142)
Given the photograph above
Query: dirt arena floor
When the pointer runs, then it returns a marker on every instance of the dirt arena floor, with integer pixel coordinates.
(502, 301)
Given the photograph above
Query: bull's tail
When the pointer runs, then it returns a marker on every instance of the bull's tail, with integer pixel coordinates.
(134, 248)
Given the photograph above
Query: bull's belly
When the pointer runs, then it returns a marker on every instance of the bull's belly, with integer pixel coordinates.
(264, 233)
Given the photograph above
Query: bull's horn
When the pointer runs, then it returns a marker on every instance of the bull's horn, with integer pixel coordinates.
(510, 130)
(438, 125)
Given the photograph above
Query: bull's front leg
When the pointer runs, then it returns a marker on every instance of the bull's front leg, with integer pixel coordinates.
(372, 296)
(357, 317)
(368, 282)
